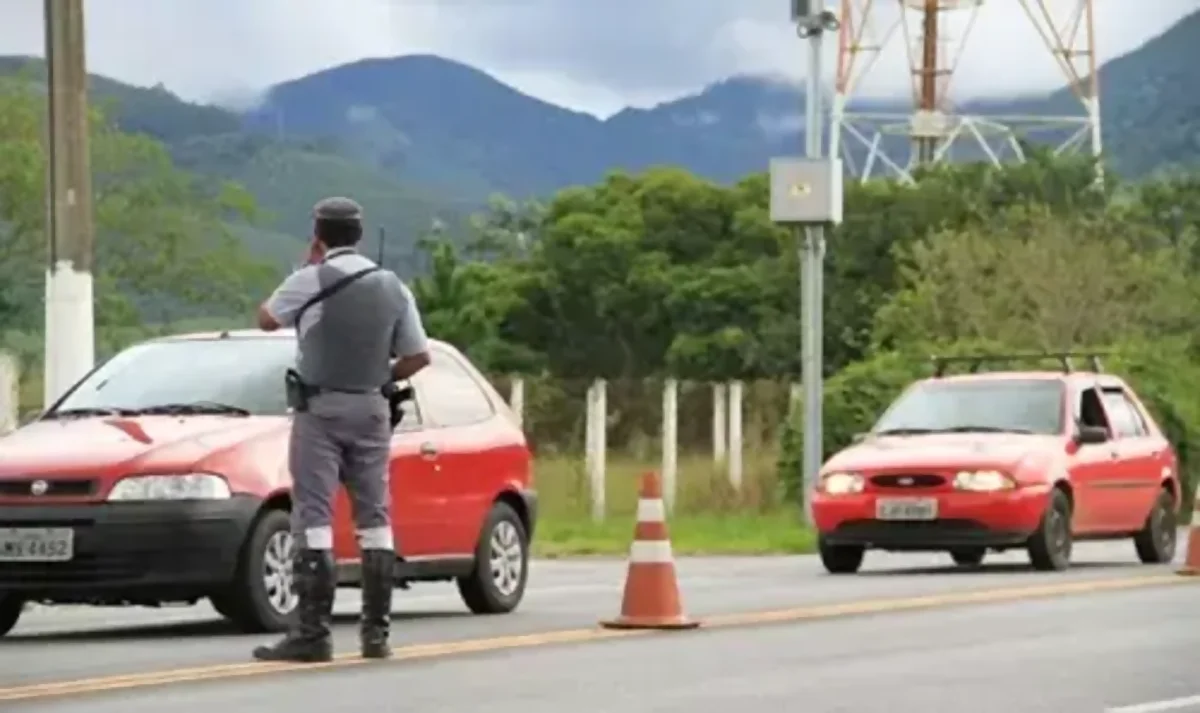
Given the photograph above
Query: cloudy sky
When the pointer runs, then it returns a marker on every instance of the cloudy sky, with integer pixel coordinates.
(592, 55)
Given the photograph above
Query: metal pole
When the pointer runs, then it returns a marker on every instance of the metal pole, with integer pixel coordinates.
(70, 327)
(812, 254)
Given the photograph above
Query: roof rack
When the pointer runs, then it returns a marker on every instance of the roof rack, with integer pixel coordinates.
(976, 361)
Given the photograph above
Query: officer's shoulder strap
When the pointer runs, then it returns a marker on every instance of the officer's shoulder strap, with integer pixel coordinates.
(333, 288)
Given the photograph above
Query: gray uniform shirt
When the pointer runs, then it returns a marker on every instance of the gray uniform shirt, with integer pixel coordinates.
(346, 340)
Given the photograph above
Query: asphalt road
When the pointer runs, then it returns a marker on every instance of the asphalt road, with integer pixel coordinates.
(1091, 646)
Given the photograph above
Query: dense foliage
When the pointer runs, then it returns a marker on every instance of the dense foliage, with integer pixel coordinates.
(664, 273)
(163, 249)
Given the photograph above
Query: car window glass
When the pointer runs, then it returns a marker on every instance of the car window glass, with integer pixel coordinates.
(1125, 419)
(450, 396)
(1033, 405)
(243, 372)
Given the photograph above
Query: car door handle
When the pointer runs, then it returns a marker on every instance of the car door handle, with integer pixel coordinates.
(428, 450)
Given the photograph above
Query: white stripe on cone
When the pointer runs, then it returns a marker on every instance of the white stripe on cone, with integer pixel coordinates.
(651, 552)
(651, 510)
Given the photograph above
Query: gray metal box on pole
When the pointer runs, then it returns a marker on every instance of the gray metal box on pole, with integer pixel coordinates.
(806, 191)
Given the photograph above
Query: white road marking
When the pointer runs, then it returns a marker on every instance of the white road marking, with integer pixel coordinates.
(1172, 704)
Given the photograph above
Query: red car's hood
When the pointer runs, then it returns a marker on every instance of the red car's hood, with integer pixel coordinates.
(117, 446)
(940, 451)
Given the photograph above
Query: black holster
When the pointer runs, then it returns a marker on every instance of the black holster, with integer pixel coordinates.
(396, 397)
(298, 392)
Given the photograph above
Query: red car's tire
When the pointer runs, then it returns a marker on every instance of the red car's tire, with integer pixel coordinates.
(840, 559)
(246, 601)
(503, 543)
(1050, 545)
(1156, 541)
(11, 608)
(968, 556)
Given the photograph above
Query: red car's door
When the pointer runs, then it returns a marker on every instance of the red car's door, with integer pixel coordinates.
(458, 412)
(417, 508)
(1092, 466)
(1134, 486)
(413, 513)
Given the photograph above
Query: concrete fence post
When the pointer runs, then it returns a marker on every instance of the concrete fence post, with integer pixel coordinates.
(670, 441)
(10, 392)
(597, 446)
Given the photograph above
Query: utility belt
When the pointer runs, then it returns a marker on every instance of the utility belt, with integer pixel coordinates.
(300, 395)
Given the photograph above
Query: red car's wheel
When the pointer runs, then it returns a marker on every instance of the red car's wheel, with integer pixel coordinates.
(968, 556)
(497, 583)
(1050, 544)
(10, 612)
(840, 559)
(1156, 541)
(261, 597)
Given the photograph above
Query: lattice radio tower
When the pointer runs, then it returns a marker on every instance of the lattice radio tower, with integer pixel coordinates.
(892, 143)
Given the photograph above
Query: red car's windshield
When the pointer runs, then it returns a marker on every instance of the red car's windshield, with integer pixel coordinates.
(1008, 405)
(242, 373)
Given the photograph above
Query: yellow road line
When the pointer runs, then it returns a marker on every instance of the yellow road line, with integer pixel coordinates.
(525, 641)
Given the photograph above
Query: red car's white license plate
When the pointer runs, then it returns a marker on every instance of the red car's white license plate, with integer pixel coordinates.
(906, 508)
(37, 545)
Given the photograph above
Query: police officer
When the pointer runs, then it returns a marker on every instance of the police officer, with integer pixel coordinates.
(351, 320)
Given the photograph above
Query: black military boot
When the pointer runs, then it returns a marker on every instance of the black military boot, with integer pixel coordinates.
(377, 566)
(309, 639)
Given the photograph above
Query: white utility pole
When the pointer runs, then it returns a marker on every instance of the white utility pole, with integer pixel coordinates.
(70, 327)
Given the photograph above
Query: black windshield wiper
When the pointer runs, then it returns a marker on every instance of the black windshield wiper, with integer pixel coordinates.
(904, 431)
(984, 429)
(89, 411)
(193, 408)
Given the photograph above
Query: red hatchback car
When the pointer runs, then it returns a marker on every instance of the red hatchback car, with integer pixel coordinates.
(162, 477)
(1002, 460)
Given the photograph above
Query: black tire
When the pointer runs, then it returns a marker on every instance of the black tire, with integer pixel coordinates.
(246, 601)
(840, 559)
(1156, 541)
(480, 591)
(1050, 545)
(968, 556)
(11, 608)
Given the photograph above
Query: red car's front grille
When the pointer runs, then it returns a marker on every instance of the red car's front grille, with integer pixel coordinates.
(37, 488)
(903, 481)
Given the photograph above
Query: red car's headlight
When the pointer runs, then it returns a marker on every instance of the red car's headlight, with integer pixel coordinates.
(841, 483)
(983, 481)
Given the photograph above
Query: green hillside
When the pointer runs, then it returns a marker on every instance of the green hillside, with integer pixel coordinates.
(285, 176)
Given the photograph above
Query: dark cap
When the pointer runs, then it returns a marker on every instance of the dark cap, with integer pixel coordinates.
(337, 208)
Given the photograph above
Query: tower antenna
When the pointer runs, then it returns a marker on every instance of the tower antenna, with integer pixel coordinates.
(893, 143)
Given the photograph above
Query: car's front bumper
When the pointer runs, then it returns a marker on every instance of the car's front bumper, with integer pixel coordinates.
(132, 552)
(963, 520)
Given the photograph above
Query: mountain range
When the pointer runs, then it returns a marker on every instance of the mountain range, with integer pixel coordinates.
(418, 138)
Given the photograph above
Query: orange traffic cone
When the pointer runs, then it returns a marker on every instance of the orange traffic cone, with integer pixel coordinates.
(651, 589)
(1191, 561)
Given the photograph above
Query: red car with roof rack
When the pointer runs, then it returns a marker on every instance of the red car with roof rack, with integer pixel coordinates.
(162, 477)
(1002, 460)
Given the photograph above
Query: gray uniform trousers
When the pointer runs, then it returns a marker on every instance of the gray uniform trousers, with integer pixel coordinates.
(342, 438)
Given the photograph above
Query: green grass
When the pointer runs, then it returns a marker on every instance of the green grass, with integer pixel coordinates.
(695, 534)
(710, 516)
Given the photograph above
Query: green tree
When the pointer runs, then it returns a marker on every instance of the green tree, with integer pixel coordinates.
(1034, 279)
(163, 247)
